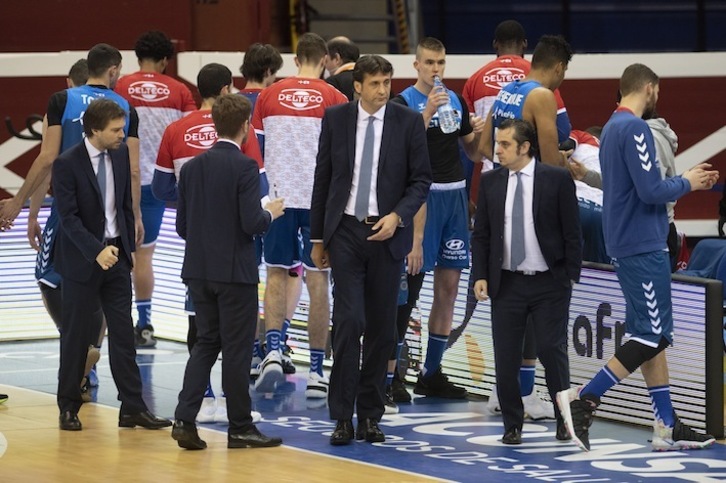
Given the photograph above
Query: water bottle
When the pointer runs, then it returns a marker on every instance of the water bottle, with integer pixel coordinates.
(447, 116)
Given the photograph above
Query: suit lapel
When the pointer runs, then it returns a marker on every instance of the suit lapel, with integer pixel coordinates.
(87, 168)
(538, 189)
(352, 128)
(118, 183)
(500, 196)
(389, 121)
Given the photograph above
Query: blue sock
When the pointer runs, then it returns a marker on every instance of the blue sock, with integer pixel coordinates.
(283, 332)
(526, 380)
(209, 392)
(258, 350)
(434, 353)
(273, 340)
(144, 308)
(389, 378)
(599, 385)
(316, 360)
(662, 404)
(399, 347)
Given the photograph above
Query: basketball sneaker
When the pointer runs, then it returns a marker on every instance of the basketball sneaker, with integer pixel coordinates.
(578, 415)
(438, 385)
(399, 393)
(270, 373)
(255, 367)
(317, 387)
(390, 406)
(493, 406)
(536, 408)
(207, 410)
(679, 437)
(144, 336)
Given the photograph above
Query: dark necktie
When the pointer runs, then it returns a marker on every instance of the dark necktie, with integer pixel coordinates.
(101, 175)
(517, 226)
(366, 173)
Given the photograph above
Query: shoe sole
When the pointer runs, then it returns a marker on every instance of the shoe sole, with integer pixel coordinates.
(390, 409)
(370, 440)
(341, 442)
(235, 445)
(315, 393)
(563, 402)
(684, 445)
(426, 392)
(270, 376)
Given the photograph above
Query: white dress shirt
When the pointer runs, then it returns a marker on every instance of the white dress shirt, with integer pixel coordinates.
(534, 260)
(111, 230)
(360, 135)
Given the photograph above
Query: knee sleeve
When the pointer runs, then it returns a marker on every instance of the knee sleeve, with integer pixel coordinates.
(632, 354)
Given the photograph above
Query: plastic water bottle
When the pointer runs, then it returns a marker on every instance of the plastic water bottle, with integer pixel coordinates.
(447, 116)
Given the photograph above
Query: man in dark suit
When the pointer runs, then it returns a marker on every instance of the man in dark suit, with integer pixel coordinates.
(92, 187)
(372, 176)
(342, 54)
(218, 213)
(526, 256)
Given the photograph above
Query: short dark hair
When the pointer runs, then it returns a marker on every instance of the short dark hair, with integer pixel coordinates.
(550, 50)
(260, 58)
(99, 113)
(509, 32)
(211, 78)
(101, 57)
(430, 43)
(229, 114)
(348, 51)
(371, 64)
(311, 48)
(635, 77)
(79, 72)
(523, 131)
(155, 45)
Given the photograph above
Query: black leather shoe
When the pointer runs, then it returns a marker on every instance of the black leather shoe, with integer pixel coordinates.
(68, 421)
(144, 419)
(368, 429)
(252, 438)
(343, 433)
(512, 436)
(186, 435)
(562, 433)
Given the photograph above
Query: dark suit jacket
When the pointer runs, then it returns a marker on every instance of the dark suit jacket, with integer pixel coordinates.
(404, 171)
(218, 212)
(556, 223)
(81, 211)
(343, 82)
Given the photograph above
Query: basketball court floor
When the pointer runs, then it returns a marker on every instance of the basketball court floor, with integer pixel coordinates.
(429, 440)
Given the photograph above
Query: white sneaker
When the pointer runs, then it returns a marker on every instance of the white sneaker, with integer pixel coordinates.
(207, 411)
(390, 407)
(537, 408)
(220, 416)
(256, 417)
(493, 403)
(270, 373)
(255, 367)
(317, 386)
(678, 437)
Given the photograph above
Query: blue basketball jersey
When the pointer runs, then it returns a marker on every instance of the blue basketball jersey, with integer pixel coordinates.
(78, 100)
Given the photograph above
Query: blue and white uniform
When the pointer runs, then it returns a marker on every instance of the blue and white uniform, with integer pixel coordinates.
(446, 234)
(635, 224)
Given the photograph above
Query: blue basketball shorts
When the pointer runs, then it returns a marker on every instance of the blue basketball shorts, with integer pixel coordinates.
(446, 235)
(287, 241)
(152, 213)
(645, 280)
